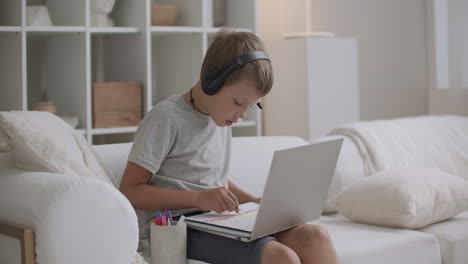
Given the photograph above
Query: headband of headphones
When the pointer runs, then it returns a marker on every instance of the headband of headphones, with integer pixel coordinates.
(213, 81)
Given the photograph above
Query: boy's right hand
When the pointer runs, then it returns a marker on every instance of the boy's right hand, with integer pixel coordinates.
(219, 200)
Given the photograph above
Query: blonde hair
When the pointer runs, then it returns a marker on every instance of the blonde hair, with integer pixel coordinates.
(229, 45)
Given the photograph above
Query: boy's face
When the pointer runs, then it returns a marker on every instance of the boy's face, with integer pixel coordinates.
(231, 103)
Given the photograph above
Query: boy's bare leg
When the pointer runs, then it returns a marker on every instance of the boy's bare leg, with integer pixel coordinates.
(311, 243)
(275, 252)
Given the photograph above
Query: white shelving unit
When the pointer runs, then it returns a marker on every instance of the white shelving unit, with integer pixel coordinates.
(64, 60)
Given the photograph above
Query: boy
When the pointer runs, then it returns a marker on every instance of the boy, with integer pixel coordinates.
(181, 152)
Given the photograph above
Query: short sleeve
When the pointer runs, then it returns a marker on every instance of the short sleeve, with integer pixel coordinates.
(153, 141)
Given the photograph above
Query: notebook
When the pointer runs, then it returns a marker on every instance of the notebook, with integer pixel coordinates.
(295, 193)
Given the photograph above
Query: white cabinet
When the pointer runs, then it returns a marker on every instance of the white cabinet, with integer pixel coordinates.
(62, 61)
(316, 86)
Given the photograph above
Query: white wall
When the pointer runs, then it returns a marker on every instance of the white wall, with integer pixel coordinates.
(391, 37)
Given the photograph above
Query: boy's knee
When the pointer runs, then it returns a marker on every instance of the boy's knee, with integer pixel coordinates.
(275, 252)
(308, 235)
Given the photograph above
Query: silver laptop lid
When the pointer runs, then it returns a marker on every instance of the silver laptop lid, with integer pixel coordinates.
(297, 186)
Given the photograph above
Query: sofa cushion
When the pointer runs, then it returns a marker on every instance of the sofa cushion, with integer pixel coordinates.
(453, 238)
(4, 141)
(41, 141)
(407, 197)
(357, 243)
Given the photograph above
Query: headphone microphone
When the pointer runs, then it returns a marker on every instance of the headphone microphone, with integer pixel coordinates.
(212, 82)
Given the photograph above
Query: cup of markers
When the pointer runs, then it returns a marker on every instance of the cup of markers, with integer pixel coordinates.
(168, 240)
(163, 218)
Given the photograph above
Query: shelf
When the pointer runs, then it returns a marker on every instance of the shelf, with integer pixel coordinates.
(245, 123)
(113, 130)
(175, 30)
(131, 129)
(9, 29)
(62, 61)
(113, 30)
(214, 30)
(54, 30)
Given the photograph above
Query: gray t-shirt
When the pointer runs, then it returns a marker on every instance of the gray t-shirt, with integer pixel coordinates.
(184, 149)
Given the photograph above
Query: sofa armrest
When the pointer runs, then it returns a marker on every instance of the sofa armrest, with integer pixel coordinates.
(75, 219)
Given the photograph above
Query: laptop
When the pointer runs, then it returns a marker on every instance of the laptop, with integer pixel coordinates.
(295, 193)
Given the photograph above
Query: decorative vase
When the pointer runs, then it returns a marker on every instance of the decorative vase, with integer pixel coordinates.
(38, 16)
(99, 13)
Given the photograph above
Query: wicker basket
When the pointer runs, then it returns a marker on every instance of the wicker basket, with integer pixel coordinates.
(164, 15)
(47, 106)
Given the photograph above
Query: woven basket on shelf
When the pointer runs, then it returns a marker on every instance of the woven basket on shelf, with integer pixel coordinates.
(164, 15)
(48, 106)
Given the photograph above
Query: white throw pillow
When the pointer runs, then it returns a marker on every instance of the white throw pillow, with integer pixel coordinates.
(4, 141)
(41, 141)
(404, 198)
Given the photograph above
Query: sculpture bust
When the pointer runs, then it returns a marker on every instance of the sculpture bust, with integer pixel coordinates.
(99, 13)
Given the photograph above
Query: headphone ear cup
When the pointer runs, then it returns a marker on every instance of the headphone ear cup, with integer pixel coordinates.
(213, 81)
(210, 84)
(215, 86)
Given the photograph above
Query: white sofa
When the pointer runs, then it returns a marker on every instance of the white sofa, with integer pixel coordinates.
(82, 220)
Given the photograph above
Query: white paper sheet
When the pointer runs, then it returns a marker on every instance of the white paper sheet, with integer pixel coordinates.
(244, 220)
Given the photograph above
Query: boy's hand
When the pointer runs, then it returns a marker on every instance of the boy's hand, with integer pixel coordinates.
(219, 200)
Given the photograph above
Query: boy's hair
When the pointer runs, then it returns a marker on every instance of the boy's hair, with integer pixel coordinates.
(229, 45)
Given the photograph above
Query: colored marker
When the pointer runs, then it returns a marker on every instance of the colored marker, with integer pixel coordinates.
(158, 215)
(168, 215)
(163, 220)
(157, 221)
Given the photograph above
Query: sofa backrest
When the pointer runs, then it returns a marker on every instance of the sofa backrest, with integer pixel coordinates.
(349, 167)
(251, 158)
(249, 166)
(115, 157)
(250, 161)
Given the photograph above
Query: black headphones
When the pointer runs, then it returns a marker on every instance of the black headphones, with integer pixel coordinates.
(212, 82)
